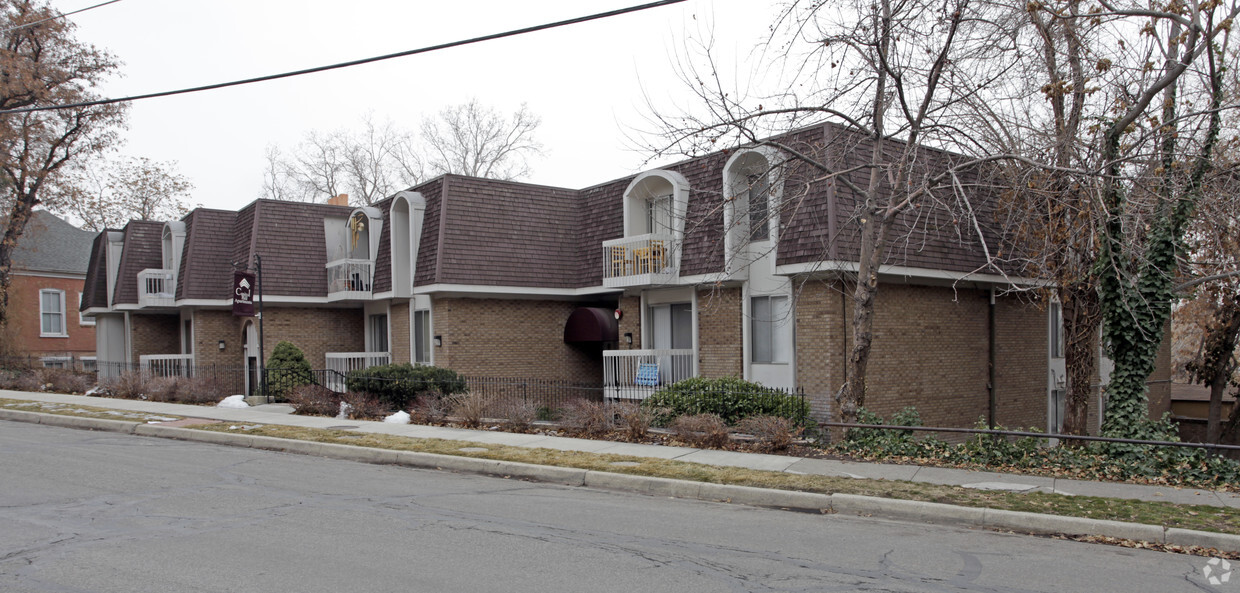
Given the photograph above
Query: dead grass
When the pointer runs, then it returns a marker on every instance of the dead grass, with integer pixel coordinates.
(1201, 517)
(83, 411)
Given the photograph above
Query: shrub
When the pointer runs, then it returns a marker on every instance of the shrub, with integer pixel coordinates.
(287, 368)
(771, 433)
(635, 418)
(64, 381)
(160, 389)
(729, 398)
(586, 417)
(127, 385)
(199, 390)
(429, 409)
(400, 384)
(364, 406)
(516, 413)
(701, 430)
(887, 441)
(471, 408)
(314, 400)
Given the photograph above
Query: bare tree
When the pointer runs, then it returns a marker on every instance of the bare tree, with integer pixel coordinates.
(107, 194)
(368, 164)
(894, 73)
(380, 159)
(44, 65)
(476, 140)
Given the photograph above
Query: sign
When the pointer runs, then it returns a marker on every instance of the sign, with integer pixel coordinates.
(243, 294)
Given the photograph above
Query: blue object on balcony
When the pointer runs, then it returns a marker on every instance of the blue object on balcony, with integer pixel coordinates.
(647, 374)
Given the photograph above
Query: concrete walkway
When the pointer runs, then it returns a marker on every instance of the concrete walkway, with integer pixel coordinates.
(280, 415)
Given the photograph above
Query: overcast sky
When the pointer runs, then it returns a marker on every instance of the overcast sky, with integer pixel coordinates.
(586, 81)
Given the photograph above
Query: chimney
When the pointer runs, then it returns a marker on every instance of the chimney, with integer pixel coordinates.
(340, 200)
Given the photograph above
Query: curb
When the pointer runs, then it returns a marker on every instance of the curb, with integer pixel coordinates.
(850, 504)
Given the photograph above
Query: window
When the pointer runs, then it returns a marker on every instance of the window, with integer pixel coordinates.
(422, 337)
(52, 313)
(378, 333)
(90, 364)
(57, 362)
(187, 337)
(671, 326)
(1056, 332)
(770, 329)
(759, 189)
(83, 319)
(659, 216)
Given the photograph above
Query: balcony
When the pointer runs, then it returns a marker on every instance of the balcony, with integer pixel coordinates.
(157, 288)
(167, 365)
(643, 260)
(345, 362)
(637, 374)
(349, 279)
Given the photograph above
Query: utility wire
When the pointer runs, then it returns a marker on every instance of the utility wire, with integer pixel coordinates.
(422, 50)
(59, 16)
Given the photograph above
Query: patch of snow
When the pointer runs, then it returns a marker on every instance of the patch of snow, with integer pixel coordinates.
(401, 417)
(94, 390)
(233, 401)
(345, 408)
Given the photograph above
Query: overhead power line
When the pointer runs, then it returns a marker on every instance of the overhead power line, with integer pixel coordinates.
(59, 16)
(421, 50)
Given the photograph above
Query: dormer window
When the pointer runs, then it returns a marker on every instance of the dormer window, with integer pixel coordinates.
(357, 239)
(659, 215)
(751, 205)
(359, 236)
(759, 207)
(654, 226)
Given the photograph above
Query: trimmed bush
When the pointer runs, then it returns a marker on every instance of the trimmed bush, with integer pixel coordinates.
(287, 368)
(707, 431)
(399, 384)
(771, 433)
(729, 398)
(314, 400)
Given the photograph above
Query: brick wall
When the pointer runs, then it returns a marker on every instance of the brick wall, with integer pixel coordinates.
(514, 338)
(720, 351)
(631, 322)
(399, 340)
(154, 334)
(1021, 369)
(314, 331)
(24, 322)
(209, 328)
(821, 343)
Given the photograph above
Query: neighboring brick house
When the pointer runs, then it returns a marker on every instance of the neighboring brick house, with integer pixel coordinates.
(49, 267)
(716, 266)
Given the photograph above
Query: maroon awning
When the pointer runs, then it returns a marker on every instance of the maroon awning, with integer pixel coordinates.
(591, 324)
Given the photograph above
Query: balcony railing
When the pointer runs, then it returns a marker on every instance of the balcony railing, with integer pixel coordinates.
(344, 362)
(167, 365)
(640, 260)
(157, 288)
(349, 279)
(636, 374)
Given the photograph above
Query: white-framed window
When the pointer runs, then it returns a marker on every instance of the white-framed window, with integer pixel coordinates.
(659, 216)
(56, 362)
(52, 314)
(89, 364)
(86, 320)
(1056, 331)
(770, 330)
(422, 336)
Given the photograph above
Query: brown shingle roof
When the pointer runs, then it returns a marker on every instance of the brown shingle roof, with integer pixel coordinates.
(142, 251)
(206, 260)
(95, 287)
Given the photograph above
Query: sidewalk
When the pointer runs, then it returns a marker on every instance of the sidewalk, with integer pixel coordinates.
(280, 415)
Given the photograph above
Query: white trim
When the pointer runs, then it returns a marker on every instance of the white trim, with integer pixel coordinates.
(64, 314)
(378, 296)
(513, 290)
(82, 321)
(827, 266)
(62, 275)
(92, 311)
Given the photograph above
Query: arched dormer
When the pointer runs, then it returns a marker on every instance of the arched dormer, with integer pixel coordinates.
(752, 186)
(655, 203)
(405, 216)
(173, 242)
(353, 276)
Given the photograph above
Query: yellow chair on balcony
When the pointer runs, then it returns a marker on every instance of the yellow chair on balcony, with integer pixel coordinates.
(619, 263)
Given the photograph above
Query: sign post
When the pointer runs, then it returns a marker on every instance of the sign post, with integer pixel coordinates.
(246, 286)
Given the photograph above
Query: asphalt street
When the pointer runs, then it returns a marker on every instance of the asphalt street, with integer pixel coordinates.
(90, 511)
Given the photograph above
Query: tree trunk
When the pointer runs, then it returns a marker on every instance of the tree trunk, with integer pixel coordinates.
(1217, 365)
(19, 214)
(1081, 315)
(874, 227)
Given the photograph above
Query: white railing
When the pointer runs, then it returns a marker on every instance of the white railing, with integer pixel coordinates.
(636, 374)
(157, 288)
(344, 362)
(349, 278)
(640, 260)
(167, 365)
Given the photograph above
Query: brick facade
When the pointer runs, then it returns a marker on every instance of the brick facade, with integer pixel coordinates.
(315, 331)
(24, 318)
(154, 334)
(401, 331)
(513, 338)
(630, 323)
(720, 352)
(930, 351)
